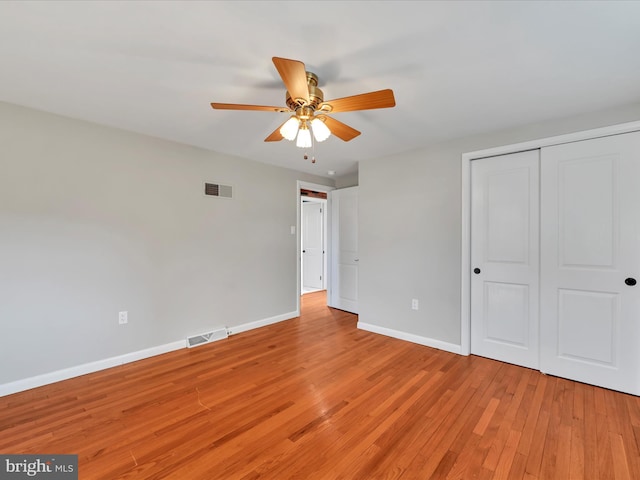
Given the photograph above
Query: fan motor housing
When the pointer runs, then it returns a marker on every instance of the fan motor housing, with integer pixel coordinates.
(316, 97)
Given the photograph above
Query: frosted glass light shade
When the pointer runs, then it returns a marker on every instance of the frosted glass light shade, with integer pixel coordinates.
(290, 128)
(320, 131)
(304, 137)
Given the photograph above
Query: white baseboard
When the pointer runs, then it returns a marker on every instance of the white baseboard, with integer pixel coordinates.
(59, 375)
(262, 323)
(410, 337)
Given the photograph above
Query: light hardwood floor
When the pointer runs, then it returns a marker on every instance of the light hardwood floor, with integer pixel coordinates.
(315, 398)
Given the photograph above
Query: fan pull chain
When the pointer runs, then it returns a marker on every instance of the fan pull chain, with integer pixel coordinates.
(313, 149)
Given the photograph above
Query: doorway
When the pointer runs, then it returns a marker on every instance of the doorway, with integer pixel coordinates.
(313, 238)
(321, 189)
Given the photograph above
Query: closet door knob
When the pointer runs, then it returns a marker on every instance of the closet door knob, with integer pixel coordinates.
(476, 270)
(630, 281)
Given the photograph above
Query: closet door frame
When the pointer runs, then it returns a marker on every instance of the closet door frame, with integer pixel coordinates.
(467, 158)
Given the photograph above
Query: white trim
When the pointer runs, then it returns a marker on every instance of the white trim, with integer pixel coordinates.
(65, 374)
(318, 188)
(315, 290)
(465, 255)
(325, 241)
(557, 140)
(409, 337)
(465, 261)
(261, 323)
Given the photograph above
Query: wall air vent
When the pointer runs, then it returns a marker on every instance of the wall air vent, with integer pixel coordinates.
(207, 337)
(217, 190)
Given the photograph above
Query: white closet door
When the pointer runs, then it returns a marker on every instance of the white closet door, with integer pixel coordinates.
(312, 246)
(344, 242)
(505, 257)
(590, 256)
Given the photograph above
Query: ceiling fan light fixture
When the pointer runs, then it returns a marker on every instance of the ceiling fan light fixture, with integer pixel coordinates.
(304, 137)
(290, 128)
(320, 131)
(306, 101)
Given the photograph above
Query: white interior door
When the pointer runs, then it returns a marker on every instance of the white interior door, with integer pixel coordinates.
(505, 258)
(590, 211)
(344, 242)
(312, 246)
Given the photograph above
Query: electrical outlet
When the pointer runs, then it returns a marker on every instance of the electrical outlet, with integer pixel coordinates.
(123, 317)
(414, 304)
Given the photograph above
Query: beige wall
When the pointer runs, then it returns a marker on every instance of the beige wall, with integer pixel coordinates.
(95, 220)
(350, 180)
(410, 227)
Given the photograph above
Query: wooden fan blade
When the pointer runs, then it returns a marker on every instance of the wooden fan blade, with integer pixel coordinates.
(339, 129)
(235, 106)
(294, 76)
(276, 136)
(364, 101)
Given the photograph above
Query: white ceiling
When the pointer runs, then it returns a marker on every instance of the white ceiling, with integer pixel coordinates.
(457, 68)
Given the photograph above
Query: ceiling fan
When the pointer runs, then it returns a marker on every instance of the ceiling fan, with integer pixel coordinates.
(310, 112)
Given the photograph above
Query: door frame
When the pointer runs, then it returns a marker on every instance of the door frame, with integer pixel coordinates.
(325, 239)
(467, 158)
(318, 188)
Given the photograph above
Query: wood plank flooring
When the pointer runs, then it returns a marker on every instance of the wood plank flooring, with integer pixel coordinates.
(315, 398)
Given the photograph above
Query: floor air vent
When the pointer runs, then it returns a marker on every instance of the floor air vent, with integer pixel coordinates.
(208, 337)
(217, 190)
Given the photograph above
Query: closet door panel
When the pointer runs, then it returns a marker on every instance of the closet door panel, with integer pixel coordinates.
(504, 256)
(590, 245)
